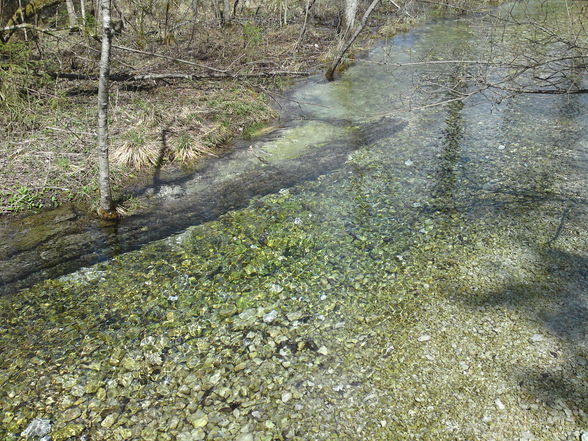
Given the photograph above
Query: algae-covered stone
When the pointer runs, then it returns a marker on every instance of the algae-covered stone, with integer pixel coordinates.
(245, 437)
(123, 432)
(92, 386)
(270, 316)
(293, 316)
(198, 420)
(66, 432)
(101, 394)
(227, 311)
(130, 364)
(78, 391)
(109, 420)
(71, 414)
(194, 435)
(241, 366)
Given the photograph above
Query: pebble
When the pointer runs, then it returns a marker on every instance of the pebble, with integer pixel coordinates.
(424, 338)
(108, 421)
(71, 414)
(244, 437)
(293, 316)
(39, 427)
(270, 316)
(536, 338)
(276, 288)
(286, 396)
(198, 420)
(499, 404)
(408, 163)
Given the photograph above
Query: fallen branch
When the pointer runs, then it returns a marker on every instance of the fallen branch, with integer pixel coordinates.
(182, 76)
(32, 27)
(177, 60)
(542, 91)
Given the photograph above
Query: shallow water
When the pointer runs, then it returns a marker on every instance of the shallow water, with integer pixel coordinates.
(431, 283)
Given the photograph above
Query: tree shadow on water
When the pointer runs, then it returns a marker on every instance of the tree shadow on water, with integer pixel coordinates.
(557, 302)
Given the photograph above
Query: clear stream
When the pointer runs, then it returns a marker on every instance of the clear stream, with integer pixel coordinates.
(376, 269)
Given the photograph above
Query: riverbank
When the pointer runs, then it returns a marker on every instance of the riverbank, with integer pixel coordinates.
(47, 150)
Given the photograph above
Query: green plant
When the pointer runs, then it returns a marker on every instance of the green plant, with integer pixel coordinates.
(19, 85)
(24, 199)
(253, 130)
(63, 163)
(252, 35)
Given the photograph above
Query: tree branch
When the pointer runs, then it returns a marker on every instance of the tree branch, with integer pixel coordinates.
(122, 77)
(177, 60)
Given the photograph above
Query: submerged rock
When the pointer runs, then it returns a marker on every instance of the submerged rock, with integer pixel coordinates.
(66, 432)
(37, 428)
(270, 316)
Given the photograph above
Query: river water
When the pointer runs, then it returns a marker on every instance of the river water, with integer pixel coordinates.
(391, 264)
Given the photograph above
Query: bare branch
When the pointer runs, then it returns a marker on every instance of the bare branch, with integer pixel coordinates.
(182, 76)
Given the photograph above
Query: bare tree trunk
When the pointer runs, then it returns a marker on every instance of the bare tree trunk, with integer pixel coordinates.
(23, 19)
(227, 11)
(83, 12)
(345, 45)
(106, 209)
(285, 12)
(71, 13)
(309, 5)
(349, 17)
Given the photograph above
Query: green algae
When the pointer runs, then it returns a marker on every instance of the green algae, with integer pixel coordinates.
(300, 140)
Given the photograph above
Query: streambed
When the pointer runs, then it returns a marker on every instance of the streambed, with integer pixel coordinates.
(430, 284)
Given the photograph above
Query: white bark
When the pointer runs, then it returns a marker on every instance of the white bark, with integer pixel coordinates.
(83, 12)
(345, 44)
(350, 12)
(106, 208)
(227, 11)
(71, 13)
(285, 12)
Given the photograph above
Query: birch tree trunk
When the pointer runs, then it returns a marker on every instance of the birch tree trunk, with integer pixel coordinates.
(83, 12)
(71, 13)
(226, 11)
(349, 17)
(106, 209)
(346, 43)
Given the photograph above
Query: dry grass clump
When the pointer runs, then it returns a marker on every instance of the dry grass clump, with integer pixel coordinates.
(187, 149)
(136, 151)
